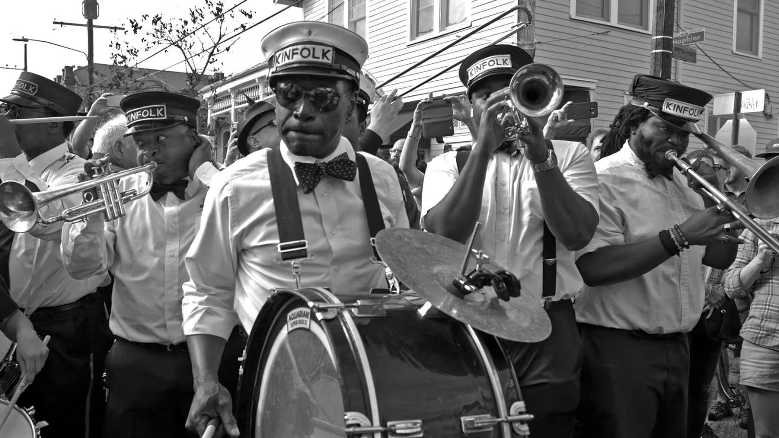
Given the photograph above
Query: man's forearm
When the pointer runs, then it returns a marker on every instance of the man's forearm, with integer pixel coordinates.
(612, 264)
(408, 157)
(205, 353)
(455, 216)
(17, 325)
(570, 217)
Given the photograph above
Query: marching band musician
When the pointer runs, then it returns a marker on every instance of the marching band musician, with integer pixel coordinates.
(233, 262)
(31, 353)
(149, 376)
(68, 310)
(644, 270)
(517, 193)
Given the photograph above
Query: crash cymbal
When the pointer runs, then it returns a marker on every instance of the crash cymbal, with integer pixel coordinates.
(428, 263)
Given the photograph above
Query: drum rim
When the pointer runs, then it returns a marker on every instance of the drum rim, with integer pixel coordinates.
(25, 415)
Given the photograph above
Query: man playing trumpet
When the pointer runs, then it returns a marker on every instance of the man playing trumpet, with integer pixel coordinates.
(535, 197)
(67, 309)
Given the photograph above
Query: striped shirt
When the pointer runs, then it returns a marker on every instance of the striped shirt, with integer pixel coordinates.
(762, 324)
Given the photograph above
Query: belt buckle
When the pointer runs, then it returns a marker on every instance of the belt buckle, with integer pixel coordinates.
(169, 347)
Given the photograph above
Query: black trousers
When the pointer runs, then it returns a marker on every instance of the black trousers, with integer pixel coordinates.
(60, 393)
(704, 354)
(149, 390)
(634, 385)
(549, 373)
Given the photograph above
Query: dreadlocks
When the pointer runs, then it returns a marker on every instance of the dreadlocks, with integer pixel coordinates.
(627, 119)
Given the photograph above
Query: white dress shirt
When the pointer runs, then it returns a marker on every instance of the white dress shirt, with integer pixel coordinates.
(233, 263)
(669, 298)
(144, 250)
(511, 215)
(38, 277)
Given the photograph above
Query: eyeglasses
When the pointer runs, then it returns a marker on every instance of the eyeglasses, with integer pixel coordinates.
(324, 99)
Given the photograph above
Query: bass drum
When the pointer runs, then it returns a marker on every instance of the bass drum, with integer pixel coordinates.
(19, 423)
(372, 366)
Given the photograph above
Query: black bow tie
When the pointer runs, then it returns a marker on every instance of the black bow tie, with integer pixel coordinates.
(309, 174)
(158, 190)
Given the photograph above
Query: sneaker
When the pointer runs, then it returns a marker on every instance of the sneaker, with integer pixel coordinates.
(719, 410)
(745, 417)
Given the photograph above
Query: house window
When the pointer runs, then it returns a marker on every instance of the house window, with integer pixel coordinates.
(747, 25)
(626, 13)
(429, 17)
(349, 14)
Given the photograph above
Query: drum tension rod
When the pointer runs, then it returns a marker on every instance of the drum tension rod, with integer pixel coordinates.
(394, 429)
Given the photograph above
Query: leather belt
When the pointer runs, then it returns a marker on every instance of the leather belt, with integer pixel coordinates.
(181, 346)
(81, 302)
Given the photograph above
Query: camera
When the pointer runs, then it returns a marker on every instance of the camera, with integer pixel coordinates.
(437, 117)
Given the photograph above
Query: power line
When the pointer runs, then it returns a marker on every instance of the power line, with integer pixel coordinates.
(189, 33)
(231, 37)
(714, 61)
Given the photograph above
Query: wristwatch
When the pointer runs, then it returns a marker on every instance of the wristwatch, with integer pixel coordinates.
(548, 164)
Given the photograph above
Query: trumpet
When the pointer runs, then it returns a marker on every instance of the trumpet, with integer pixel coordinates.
(723, 201)
(535, 90)
(20, 207)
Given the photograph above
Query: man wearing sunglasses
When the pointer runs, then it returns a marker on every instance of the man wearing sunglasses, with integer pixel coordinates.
(67, 309)
(149, 377)
(238, 257)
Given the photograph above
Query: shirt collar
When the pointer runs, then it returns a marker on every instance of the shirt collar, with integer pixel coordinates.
(46, 159)
(627, 155)
(343, 147)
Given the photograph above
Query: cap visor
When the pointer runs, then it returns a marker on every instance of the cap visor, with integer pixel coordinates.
(310, 72)
(19, 100)
(147, 127)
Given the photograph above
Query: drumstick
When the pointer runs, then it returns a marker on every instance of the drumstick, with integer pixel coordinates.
(18, 392)
(210, 429)
(34, 120)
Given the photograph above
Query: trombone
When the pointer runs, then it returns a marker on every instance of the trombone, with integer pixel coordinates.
(20, 208)
(761, 194)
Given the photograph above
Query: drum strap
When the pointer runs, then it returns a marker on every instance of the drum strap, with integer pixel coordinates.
(292, 241)
(548, 252)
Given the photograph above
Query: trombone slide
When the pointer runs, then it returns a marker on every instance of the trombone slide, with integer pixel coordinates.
(723, 200)
(35, 120)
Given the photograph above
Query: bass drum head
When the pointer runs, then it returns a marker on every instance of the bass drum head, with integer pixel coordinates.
(296, 390)
(19, 424)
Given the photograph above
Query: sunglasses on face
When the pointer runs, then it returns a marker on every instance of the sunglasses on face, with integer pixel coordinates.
(324, 99)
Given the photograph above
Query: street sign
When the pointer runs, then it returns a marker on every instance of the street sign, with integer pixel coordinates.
(687, 38)
(685, 53)
(752, 101)
(747, 136)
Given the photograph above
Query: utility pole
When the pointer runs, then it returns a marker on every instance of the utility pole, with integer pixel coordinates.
(662, 41)
(90, 10)
(25, 41)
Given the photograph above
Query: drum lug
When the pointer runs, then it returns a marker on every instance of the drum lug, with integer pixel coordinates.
(358, 424)
(486, 422)
(361, 308)
(30, 411)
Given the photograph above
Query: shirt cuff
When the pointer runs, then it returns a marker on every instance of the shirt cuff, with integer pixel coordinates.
(205, 172)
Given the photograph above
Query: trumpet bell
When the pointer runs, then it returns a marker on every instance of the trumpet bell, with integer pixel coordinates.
(762, 194)
(536, 90)
(18, 207)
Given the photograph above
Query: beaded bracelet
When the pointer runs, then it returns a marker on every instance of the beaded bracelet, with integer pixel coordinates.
(668, 243)
(677, 241)
(682, 238)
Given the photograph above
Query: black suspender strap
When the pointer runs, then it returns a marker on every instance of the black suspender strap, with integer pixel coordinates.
(370, 201)
(548, 253)
(292, 242)
(549, 270)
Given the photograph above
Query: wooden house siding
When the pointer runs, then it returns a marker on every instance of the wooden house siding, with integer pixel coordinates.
(605, 63)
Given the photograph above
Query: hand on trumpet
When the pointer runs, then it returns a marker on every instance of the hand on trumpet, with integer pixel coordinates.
(709, 226)
(535, 141)
(765, 256)
(486, 111)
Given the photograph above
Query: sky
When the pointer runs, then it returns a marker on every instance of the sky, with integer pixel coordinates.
(33, 19)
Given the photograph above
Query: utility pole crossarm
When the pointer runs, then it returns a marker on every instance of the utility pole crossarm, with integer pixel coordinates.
(97, 26)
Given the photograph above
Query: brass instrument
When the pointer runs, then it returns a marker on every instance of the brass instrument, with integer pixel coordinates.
(34, 120)
(762, 193)
(535, 90)
(20, 207)
(724, 201)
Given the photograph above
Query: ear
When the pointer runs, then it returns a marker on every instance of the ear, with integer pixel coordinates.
(119, 146)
